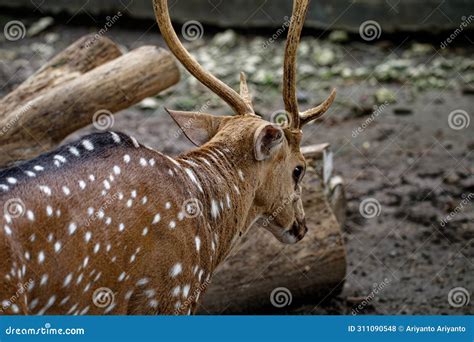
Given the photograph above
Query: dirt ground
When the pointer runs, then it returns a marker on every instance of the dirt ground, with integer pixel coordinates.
(403, 156)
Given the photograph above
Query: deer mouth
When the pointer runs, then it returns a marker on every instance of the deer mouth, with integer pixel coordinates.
(298, 230)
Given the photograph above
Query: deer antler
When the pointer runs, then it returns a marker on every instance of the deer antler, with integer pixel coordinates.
(240, 105)
(297, 119)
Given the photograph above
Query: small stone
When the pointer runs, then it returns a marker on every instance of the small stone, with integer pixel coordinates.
(227, 39)
(149, 103)
(421, 49)
(384, 95)
(324, 57)
(51, 37)
(338, 36)
(401, 111)
(40, 26)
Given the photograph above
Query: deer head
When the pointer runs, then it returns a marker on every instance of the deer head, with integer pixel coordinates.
(272, 152)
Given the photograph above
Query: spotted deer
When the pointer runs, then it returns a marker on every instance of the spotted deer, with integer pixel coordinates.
(105, 225)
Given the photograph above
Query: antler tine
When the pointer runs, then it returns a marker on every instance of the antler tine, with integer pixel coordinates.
(244, 91)
(297, 120)
(316, 112)
(300, 8)
(232, 98)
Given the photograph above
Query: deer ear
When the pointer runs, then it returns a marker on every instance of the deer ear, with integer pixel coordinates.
(198, 127)
(268, 138)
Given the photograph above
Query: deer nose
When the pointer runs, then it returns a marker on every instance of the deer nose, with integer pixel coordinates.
(299, 229)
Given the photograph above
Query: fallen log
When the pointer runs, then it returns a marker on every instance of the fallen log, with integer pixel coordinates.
(265, 276)
(64, 95)
(77, 59)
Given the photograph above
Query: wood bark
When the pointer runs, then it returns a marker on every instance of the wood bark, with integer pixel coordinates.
(311, 270)
(64, 95)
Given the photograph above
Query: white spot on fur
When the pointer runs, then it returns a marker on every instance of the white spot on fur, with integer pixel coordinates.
(87, 236)
(72, 228)
(186, 289)
(214, 209)
(193, 178)
(176, 270)
(7, 229)
(74, 151)
(44, 279)
(45, 189)
(67, 280)
(82, 184)
(197, 240)
(156, 219)
(143, 281)
(87, 145)
(41, 257)
(30, 215)
(135, 142)
(115, 137)
(30, 173)
(176, 291)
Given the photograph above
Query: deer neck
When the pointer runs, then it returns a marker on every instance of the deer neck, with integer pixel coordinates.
(225, 184)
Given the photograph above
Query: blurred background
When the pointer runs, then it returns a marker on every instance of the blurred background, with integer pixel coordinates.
(400, 128)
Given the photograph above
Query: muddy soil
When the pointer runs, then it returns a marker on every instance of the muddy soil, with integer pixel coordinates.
(405, 157)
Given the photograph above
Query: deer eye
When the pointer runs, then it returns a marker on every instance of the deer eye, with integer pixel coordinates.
(298, 173)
